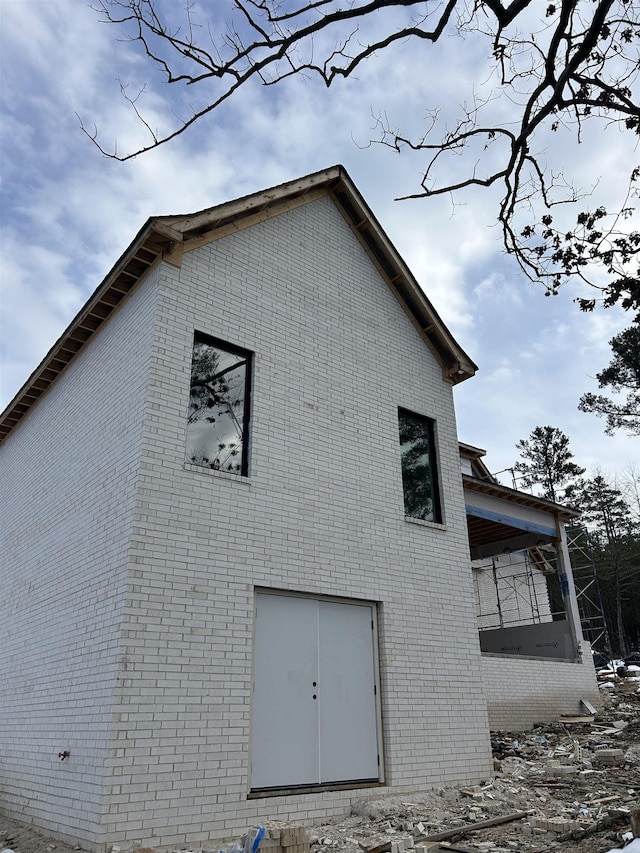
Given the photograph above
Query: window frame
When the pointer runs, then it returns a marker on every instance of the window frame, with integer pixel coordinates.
(218, 343)
(434, 468)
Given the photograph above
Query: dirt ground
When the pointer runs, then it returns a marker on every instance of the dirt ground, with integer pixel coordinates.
(577, 782)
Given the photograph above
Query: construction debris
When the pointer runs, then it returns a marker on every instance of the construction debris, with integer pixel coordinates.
(567, 787)
(575, 786)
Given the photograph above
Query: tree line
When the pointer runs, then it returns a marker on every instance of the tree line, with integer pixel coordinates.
(610, 517)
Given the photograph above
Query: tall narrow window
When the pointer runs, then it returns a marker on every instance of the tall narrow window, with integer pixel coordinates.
(419, 469)
(218, 420)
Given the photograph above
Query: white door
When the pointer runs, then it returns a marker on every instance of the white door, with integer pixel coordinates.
(314, 710)
(347, 694)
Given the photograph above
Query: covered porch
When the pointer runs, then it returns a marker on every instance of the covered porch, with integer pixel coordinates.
(522, 572)
(536, 664)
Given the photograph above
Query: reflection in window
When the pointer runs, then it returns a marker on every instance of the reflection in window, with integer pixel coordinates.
(419, 471)
(218, 421)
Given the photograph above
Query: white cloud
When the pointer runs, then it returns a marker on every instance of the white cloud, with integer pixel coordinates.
(496, 286)
(68, 213)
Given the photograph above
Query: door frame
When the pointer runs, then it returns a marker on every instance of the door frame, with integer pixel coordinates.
(337, 786)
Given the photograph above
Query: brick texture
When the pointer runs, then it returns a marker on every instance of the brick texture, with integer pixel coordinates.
(68, 479)
(523, 691)
(132, 586)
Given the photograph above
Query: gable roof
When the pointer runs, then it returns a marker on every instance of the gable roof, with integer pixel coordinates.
(474, 456)
(168, 237)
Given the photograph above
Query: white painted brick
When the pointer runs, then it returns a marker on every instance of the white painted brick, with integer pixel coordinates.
(132, 583)
(68, 480)
(521, 692)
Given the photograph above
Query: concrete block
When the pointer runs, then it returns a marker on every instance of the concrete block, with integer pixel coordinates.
(291, 835)
(610, 757)
(297, 848)
(554, 824)
(562, 770)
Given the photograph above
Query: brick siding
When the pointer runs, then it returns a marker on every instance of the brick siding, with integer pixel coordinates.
(171, 554)
(524, 691)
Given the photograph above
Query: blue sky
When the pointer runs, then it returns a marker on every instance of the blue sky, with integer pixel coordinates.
(68, 212)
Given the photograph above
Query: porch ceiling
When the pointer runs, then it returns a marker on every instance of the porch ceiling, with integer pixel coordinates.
(500, 519)
(483, 531)
(490, 537)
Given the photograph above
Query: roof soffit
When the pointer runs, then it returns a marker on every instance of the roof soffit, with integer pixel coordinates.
(501, 519)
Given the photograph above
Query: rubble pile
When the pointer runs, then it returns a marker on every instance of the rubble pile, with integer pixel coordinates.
(572, 786)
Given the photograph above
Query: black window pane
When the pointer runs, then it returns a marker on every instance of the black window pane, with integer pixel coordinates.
(419, 475)
(218, 408)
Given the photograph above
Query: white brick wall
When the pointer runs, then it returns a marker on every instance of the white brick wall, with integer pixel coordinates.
(67, 478)
(522, 692)
(322, 512)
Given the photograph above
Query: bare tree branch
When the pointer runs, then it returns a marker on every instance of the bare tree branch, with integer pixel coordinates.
(568, 65)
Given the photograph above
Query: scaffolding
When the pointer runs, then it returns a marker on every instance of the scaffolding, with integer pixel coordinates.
(516, 589)
(592, 618)
(524, 588)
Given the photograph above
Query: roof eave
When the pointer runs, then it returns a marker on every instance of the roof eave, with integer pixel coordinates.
(163, 236)
(151, 241)
(564, 513)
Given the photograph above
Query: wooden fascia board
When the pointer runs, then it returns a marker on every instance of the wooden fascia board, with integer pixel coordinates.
(164, 230)
(210, 219)
(456, 364)
(562, 513)
(100, 306)
(250, 219)
(470, 451)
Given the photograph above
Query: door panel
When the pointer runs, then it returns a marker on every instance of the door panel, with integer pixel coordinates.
(284, 747)
(348, 719)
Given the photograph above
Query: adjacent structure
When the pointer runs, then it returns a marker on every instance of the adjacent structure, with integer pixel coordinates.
(535, 663)
(236, 559)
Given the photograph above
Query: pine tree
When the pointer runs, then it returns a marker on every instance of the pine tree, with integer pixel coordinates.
(622, 375)
(547, 463)
(617, 554)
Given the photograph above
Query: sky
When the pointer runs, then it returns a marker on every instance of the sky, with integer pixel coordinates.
(67, 212)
